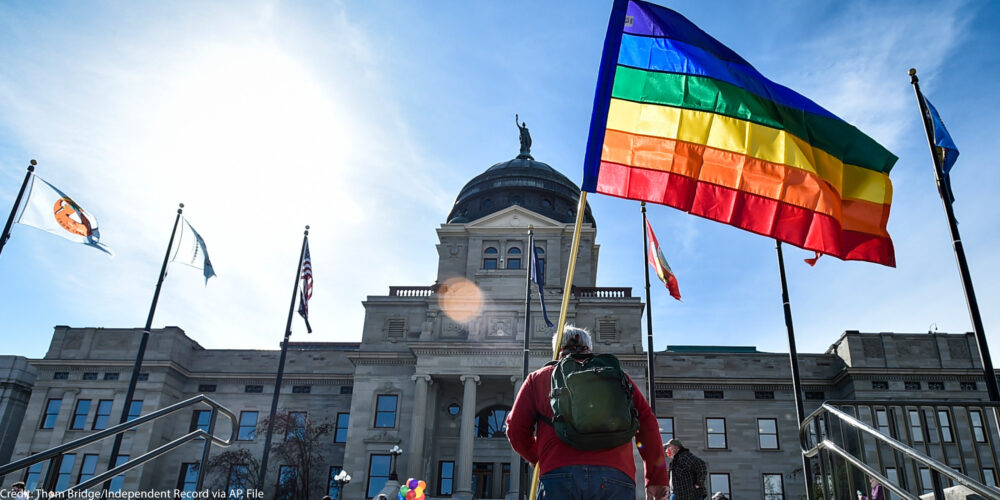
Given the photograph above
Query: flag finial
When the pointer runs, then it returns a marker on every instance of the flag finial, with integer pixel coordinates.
(307, 230)
(180, 208)
(31, 166)
(913, 75)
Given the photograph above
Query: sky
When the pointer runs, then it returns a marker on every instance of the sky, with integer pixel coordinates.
(365, 119)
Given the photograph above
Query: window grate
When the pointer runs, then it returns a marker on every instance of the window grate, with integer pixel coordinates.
(607, 330)
(395, 328)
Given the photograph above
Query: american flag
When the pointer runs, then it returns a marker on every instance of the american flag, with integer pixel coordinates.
(306, 290)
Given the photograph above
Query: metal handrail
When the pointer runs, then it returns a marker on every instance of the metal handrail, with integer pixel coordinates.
(135, 462)
(898, 446)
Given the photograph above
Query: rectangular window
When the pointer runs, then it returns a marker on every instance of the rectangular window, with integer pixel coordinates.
(332, 488)
(188, 478)
(301, 389)
(60, 376)
(916, 430)
(489, 263)
(347, 389)
(882, 421)
(111, 376)
(716, 430)
(51, 414)
(714, 395)
(774, 487)
(88, 467)
(203, 388)
(767, 433)
(134, 410)
(248, 426)
(664, 394)
(880, 385)
(978, 432)
(142, 377)
(385, 410)
(666, 428)
(103, 414)
(33, 476)
(945, 422)
(80, 412)
(236, 486)
(893, 477)
(200, 419)
(815, 395)
(935, 386)
(253, 388)
(340, 433)
(763, 394)
(719, 483)
(513, 263)
(65, 471)
(90, 376)
(505, 478)
(378, 474)
(446, 477)
(296, 425)
(990, 477)
(119, 480)
(911, 386)
(287, 478)
(967, 386)
(926, 486)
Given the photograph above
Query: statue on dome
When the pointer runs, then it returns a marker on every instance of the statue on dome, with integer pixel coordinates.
(525, 137)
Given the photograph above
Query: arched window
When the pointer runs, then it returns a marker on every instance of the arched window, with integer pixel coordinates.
(546, 203)
(514, 258)
(492, 422)
(487, 203)
(490, 258)
(516, 200)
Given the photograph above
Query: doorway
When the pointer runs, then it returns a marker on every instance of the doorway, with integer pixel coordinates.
(482, 480)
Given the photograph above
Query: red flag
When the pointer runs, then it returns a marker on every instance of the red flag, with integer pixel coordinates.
(659, 263)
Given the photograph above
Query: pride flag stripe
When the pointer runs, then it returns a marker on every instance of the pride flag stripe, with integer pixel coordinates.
(788, 223)
(746, 138)
(701, 93)
(723, 168)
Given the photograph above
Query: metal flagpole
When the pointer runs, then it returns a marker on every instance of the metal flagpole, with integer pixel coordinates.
(651, 371)
(956, 238)
(523, 470)
(574, 250)
(281, 362)
(116, 447)
(794, 359)
(17, 203)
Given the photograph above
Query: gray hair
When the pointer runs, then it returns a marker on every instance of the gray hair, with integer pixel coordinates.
(573, 338)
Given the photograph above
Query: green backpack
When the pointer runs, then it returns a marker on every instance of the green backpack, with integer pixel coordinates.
(591, 402)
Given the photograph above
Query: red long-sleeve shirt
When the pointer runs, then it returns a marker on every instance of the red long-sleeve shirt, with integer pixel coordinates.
(550, 452)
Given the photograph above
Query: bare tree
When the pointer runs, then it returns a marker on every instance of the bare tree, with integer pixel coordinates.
(233, 466)
(300, 442)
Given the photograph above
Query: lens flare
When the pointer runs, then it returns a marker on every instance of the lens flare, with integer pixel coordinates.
(460, 299)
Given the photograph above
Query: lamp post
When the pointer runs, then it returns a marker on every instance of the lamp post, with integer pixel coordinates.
(342, 478)
(395, 452)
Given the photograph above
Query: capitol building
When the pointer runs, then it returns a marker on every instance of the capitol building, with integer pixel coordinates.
(436, 368)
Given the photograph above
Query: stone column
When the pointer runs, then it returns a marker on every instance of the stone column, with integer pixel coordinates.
(418, 427)
(515, 459)
(464, 466)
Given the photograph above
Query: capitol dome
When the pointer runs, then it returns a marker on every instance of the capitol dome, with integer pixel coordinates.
(521, 181)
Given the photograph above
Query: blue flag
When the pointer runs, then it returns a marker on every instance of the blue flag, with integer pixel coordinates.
(538, 276)
(944, 146)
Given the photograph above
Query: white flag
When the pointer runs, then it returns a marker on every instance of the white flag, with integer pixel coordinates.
(49, 209)
(190, 250)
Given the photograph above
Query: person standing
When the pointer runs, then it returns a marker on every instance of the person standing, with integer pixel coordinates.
(876, 494)
(687, 472)
(572, 462)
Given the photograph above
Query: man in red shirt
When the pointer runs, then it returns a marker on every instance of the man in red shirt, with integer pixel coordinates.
(568, 473)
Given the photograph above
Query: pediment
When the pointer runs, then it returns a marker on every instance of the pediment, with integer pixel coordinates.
(514, 216)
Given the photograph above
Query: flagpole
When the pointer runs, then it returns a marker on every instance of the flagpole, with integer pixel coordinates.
(281, 362)
(794, 359)
(963, 266)
(574, 250)
(134, 379)
(649, 315)
(17, 203)
(523, 470)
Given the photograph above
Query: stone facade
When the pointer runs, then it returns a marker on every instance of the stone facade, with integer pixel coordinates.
(17, 377)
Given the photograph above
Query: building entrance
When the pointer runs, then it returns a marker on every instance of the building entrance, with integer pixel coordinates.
(482, 480)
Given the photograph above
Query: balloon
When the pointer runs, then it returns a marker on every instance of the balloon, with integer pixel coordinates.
(411, 495)
(412, 483)
(421, 496)
(422, 485)
(401, 497)
(403, 489)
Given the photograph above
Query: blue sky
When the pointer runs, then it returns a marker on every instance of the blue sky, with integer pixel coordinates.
(365, 119)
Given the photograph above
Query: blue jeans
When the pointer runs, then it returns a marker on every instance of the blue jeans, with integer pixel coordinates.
(586, 482)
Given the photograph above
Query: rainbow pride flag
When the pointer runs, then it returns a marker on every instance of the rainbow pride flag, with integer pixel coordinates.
(681, 120)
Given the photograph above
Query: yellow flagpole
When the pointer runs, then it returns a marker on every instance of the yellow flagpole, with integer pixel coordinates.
(574, 250)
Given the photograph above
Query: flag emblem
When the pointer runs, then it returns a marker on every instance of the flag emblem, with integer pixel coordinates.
(190, 250)
(659, 263)
(51, 210)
